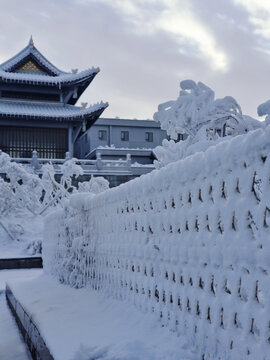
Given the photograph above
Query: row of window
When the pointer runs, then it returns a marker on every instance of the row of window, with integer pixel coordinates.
(102, 135)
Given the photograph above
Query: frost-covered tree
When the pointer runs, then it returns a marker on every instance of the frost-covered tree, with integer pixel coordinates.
(25, 197)
(96, 185)
(203, 118)
(196, 107)
(54, 192)
(264, 109)
(69, 170)
(21, 189)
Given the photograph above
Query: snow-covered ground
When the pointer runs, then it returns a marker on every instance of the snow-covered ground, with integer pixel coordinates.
(12, 346)
(21, 236)
(83, 324)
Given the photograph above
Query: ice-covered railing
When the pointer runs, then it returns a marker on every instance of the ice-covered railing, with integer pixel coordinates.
(189, 242)
(98, 166)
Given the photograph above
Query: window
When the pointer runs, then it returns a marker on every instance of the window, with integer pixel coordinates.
(102, 134)
(180, 137)
(18, 141)
(124, 135)
(149, 136)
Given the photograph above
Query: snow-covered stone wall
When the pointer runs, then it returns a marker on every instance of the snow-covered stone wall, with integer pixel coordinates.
(189, 242)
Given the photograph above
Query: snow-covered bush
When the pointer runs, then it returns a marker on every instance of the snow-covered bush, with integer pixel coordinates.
(26, 197)
(96, 185)
(69, 170)
(203, 118)
(21, 189)
(264, 109)
(195, 108)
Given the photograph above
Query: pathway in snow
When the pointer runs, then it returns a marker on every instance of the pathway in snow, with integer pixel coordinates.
(85, 324)
(12, 346)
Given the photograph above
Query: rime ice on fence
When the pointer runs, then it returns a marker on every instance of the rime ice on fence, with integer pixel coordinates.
(189, 242)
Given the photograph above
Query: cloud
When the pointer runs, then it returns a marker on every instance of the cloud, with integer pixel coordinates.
(144, 48)
(259, 15)
(175, 18)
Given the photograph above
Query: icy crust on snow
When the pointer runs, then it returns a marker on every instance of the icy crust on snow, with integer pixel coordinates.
(189, 243)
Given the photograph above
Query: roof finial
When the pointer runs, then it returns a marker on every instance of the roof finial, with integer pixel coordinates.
(31, 41)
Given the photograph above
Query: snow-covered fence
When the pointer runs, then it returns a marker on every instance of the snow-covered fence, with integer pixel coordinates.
(189, 242)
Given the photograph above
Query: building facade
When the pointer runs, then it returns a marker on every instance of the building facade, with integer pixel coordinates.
(39, 113)
(114, 138)
(37, 106)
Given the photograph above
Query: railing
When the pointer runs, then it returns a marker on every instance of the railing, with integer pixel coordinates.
(189, 243)
(99, 166)
(29, 331)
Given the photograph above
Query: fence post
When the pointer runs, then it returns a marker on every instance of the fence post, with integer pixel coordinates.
(99, 161)
(67, 157)
(34, 161)
(128, 160)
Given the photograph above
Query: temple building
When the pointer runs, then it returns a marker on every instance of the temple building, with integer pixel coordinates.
(40, 122)
(37, 106)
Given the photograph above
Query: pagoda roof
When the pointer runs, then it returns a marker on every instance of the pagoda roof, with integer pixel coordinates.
(66, 78)
(44, 72)
(58, 111)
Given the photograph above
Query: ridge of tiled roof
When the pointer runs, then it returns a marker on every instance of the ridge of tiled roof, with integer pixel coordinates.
(48, 110)
(46, 79)
(58, 76)
(30, 49)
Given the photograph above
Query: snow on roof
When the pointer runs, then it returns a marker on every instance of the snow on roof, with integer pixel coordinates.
(30, 49)
(48, 110)
(58, 76)
(113, 148)
(46, 79)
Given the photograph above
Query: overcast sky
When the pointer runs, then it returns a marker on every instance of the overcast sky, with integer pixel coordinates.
(144, 48)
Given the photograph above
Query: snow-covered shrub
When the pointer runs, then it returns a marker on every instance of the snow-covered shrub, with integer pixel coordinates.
(203, 118)
(96, 185)
(55, 193)
(189, 243)
(69, 170)
(34, 247)
(264, 109)
(21, 189)
(196, 107)
(25, 198)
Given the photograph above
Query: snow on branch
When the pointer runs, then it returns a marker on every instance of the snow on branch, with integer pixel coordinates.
(205, 120)
(264, 109)
(25, 197)
(195, 107)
